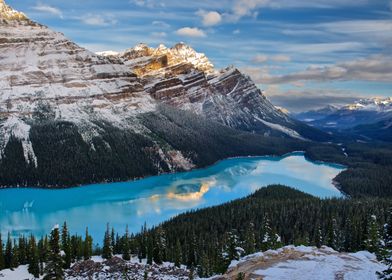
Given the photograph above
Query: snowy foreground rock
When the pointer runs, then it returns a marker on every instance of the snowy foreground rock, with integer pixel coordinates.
(115, 268)
(291, 263)
(305, 263)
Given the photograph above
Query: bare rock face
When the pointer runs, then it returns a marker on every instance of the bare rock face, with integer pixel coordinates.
(181, 77)
(7, 13)
(69, 116)
(45, 76)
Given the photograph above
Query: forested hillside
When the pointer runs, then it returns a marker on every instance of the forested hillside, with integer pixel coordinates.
(208, 240)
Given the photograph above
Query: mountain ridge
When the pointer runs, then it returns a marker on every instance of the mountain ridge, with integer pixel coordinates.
(69, 116)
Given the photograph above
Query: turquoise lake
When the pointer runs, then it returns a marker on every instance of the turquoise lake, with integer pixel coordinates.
(156, 199)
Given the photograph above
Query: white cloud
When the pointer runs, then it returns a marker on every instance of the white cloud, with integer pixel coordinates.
(40, 7)
(209, 18)
(377, 68)
(159, 34)
(262, 58)
(191, 32)
(243, 8)
(303, 99)
(281, 58)
(97, 20)
(237, 31)
(160, 24)
(148, 3)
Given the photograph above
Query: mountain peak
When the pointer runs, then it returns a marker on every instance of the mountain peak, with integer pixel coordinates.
(178, 54)
(7, 13)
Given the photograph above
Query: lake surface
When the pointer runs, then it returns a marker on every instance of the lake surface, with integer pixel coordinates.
(155, 199)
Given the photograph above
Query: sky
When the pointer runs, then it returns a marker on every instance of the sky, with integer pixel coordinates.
(304, 54)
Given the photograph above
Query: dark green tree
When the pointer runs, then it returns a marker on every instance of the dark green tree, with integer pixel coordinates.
(33, 258)
(126, 255)
(8, 252)
(2, 261)
(88, 246)
(177, 254)
(66, 246)
(15, 256)
(150, 248)
(55, 263)
(107, 250)
(373, 239)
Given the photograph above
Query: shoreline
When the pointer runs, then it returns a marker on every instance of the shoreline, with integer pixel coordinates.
(283, 156)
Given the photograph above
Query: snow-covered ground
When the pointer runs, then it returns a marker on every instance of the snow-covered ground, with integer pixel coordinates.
(306, 263)
(287, 263)
(98, 268)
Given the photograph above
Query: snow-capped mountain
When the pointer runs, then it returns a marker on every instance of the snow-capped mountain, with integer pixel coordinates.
(364, 111)
(181, 77)
(69, 116)
(371, 104)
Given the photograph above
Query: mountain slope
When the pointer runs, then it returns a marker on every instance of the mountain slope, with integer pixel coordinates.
(181, 77)
(381, 130)
(364, 111)
(70, 117)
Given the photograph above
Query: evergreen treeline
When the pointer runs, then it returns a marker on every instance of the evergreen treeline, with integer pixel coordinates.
(65, 159)
(207, 240)
(369, 170)
(48, 256)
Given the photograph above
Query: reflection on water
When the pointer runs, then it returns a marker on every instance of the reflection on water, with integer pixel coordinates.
(158, 198)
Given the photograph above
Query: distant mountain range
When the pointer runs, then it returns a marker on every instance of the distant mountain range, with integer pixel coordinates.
(369, 119)
(69, 116)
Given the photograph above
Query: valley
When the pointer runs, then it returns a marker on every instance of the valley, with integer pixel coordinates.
(191, 169)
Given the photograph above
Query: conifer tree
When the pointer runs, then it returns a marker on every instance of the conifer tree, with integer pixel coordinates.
(54, 265)
(387, 273)
(331, 234)
(33, 258)
(373, 238)
(250, 239)
(15, 256)
(107, 250)
(113, 242)
(126, 248)
(2, 261)
(150, 249)
(177, 254)
(318, 236)
(8, 252)
(232, 242)
(22, 250)
(159, 246)
(269, 238)
(142, 252)
(66, 246)
(88, 246)
(43, 252)
(191, 262)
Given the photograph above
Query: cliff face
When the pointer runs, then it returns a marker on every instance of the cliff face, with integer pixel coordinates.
(69, 116)
(181, 77)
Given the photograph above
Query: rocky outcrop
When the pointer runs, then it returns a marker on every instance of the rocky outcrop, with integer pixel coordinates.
(7, 13)
(69, 116)
(304, 263)
(181, 77)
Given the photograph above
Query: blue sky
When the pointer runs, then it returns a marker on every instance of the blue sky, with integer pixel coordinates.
(324, 51)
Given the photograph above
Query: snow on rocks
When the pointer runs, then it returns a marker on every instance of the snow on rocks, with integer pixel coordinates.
(304, 263)
(117, 268)
(18, 129)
